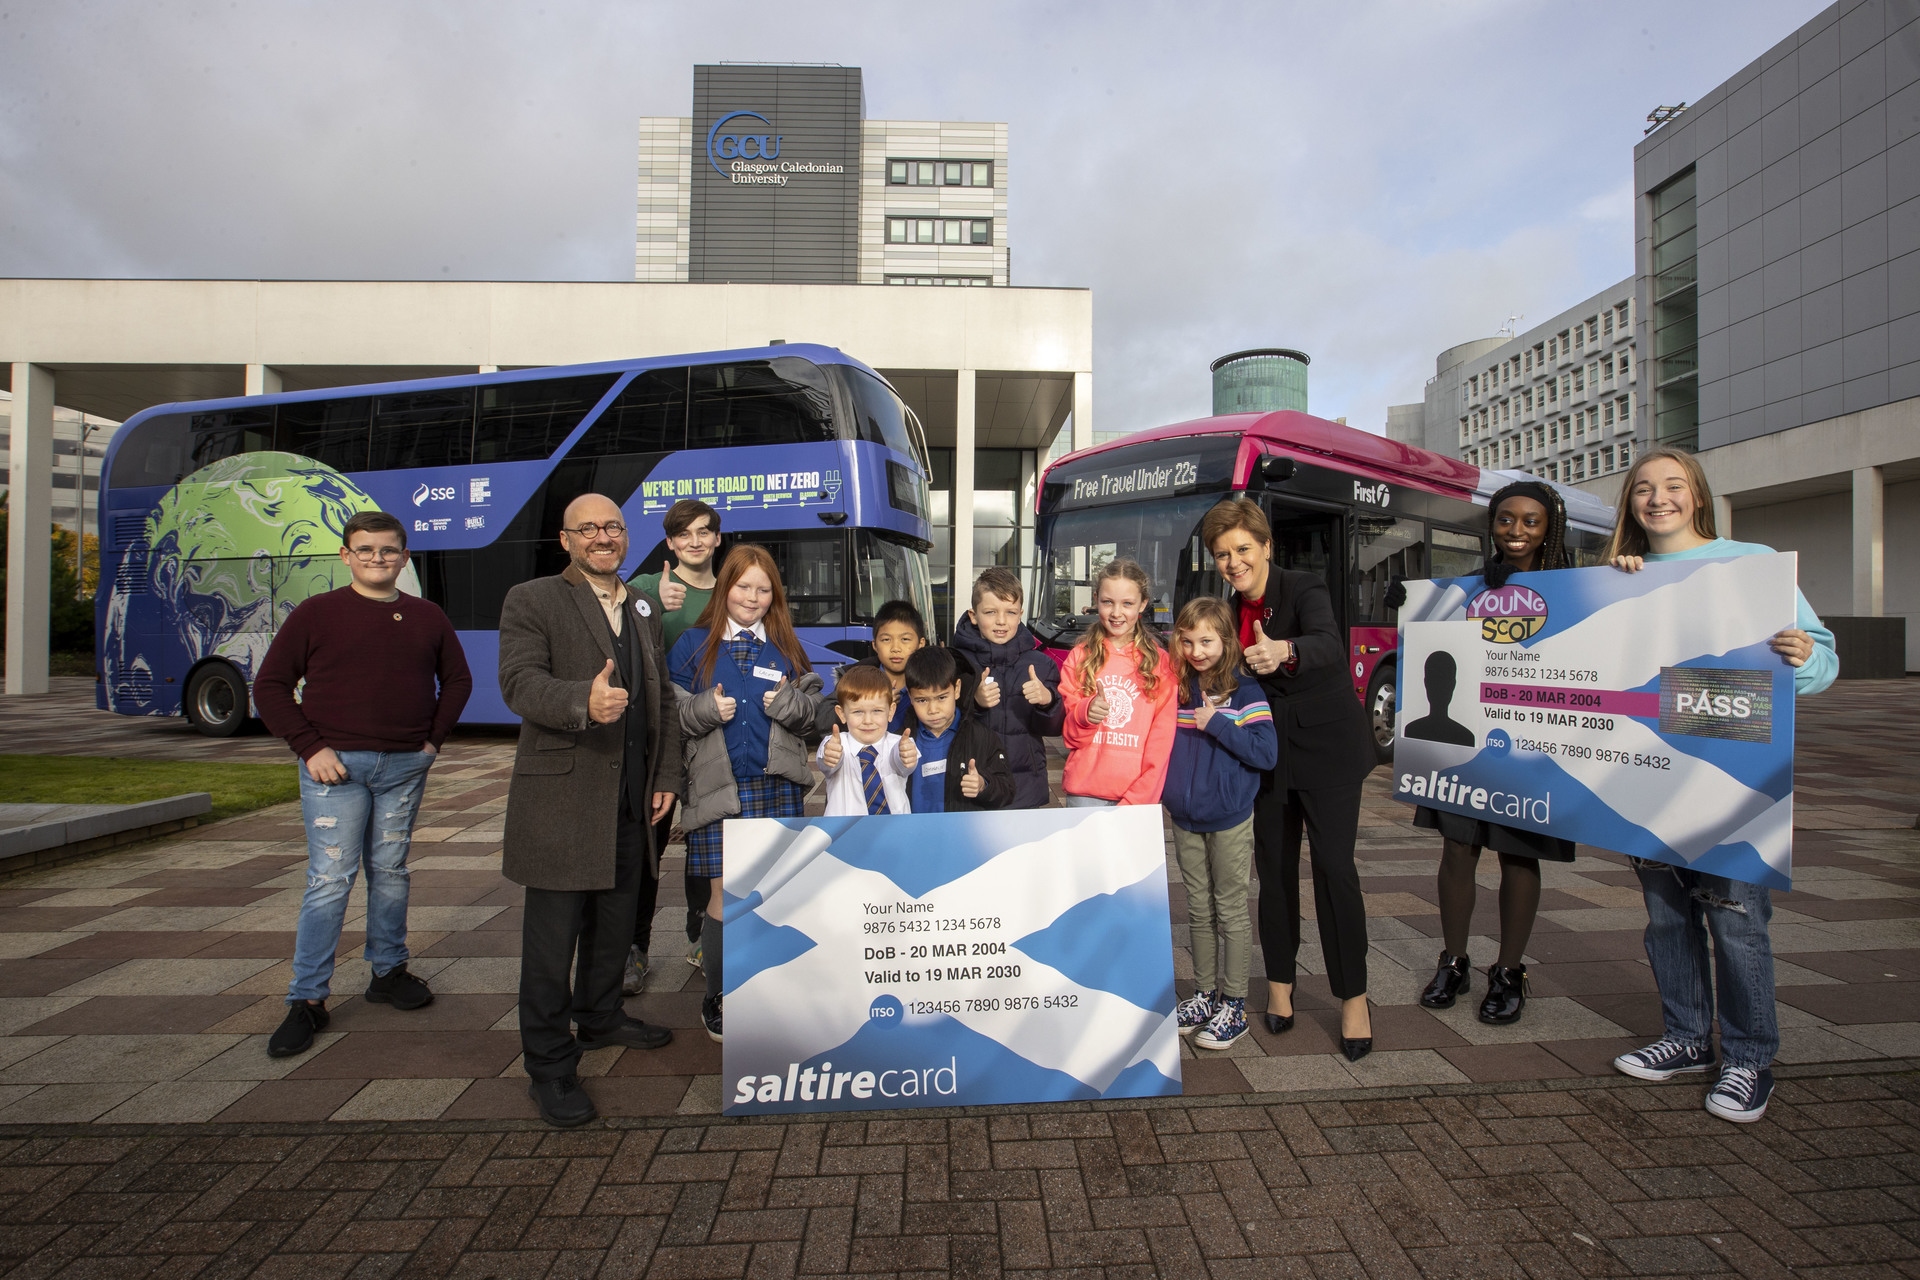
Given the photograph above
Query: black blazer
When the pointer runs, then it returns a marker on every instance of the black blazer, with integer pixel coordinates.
(1325, 740)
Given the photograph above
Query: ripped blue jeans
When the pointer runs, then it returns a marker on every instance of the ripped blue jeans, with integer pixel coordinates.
(366, 821)
(1684, 908)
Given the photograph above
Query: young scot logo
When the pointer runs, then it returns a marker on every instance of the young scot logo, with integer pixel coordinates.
(1509, 614)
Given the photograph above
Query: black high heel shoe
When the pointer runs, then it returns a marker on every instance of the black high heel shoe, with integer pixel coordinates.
(1358, 1047)
(1278, 1022)
(1454, 976)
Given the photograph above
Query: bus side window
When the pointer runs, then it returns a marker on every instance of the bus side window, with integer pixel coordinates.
(1387, 549)
(227, 432)
(648, 416)
(1457, 555)
(526, 421)
(734, 405)
(155, 451)
(331, 432)
(422, 429)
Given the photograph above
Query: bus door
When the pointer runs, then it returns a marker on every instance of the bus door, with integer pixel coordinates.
(1309, 540)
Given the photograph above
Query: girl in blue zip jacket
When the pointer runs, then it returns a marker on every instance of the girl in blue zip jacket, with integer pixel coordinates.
(1224, 741)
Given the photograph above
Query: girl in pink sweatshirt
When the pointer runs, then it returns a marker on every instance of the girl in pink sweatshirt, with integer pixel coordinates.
(1119, 689)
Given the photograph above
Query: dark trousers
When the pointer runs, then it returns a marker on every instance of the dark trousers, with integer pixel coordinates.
(1331, 819)
(573, 950)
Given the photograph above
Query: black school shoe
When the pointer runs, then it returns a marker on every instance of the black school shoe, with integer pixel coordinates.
(563, 1103)
(398, 988)
(1506, 994)
(630, 1033)
(1454, 976)
(295, 1034)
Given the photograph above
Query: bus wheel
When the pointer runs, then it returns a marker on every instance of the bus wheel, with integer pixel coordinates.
(216, 700)
(1380, 694)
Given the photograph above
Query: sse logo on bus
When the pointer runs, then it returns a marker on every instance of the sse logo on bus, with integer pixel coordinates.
(1509, 615)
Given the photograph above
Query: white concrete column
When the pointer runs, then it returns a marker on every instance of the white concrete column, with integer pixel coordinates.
(1083, 409)
(1869, 543)
(489, 368)
(263, 380)
(29, 529)
(961, 588)
(1723, 515)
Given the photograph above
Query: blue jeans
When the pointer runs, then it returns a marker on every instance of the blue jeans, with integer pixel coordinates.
(1683, 907)
(365, 821)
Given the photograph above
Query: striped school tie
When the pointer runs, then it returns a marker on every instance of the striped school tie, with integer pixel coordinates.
(870, 781)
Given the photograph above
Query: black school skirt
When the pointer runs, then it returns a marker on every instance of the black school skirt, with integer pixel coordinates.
(1491, 835)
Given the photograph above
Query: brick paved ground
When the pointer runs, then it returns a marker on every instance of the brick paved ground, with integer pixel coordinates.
(1598, 1179)
(140, 985)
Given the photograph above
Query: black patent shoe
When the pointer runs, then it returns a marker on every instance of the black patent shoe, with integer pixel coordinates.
(1278, 1022)
(1506, 994)
(1454, 976)
(1356, 1048)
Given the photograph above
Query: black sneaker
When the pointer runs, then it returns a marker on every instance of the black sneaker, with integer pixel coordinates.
(398, 988)
(1664, 1059)
(1742, 1094)
(563, 1103)
(710, 1017)
(629, 1032)
(295, 1034)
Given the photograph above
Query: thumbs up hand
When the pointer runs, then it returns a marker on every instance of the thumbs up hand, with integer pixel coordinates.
(1267, 656)
(987, 692)
(909, 754)
(971, 783)
(1203, 712)
(606, 702)
(1097, 709)
(832, 751)
(766, 699)
(673, 592)
(723, 704)
(1035, 689)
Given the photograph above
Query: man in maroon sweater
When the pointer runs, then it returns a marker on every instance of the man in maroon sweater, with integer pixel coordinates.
(386, 681)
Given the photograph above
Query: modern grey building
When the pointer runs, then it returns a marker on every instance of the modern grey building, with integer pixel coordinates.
(1777, 290)
(778, 178)
(1557, 400)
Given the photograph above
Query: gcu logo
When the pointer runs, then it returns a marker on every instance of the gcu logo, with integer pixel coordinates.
(740, 146)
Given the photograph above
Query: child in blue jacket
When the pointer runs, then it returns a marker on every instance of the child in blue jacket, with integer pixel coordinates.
(1224, 741)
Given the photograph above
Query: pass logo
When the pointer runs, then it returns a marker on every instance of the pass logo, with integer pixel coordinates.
(1717, 702)
(1509, 614)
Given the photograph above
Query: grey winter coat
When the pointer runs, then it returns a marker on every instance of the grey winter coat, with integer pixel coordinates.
(710, 793)
(564, 802)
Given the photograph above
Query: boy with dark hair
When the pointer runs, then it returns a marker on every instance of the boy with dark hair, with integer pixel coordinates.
(898, 633)
(957, 762)
(386, 681)
(692, 529)
(1018, 693)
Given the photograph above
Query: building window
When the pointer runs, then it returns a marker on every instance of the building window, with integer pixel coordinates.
(1606, 323)
(940, 173)
(1463, 431)
(1606, 458)
(1622, 413)
(939, 231)
(1626, 453)
(954, 280)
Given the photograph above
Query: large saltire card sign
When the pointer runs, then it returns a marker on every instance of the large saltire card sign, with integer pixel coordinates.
(947, 959)
(1643, 713)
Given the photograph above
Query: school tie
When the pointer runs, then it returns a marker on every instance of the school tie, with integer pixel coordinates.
(870, 781)
(743, 648)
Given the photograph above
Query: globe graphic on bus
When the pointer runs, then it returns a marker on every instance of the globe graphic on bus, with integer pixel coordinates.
(231, 550)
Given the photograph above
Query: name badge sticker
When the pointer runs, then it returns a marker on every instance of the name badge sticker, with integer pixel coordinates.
(933, 768)
(768, 673)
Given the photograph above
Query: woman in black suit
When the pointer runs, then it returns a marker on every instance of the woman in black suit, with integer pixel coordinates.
(1293, 644)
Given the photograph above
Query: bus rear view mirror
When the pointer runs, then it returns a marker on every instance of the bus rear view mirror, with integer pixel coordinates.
(1273, 469)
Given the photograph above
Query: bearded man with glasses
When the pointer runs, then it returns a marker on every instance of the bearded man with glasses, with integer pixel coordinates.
(386, 681)
(583, 665)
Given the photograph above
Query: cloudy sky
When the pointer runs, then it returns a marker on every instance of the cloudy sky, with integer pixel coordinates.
(1367, 181)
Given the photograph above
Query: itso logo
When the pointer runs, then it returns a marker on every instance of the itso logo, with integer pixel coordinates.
(740, 146)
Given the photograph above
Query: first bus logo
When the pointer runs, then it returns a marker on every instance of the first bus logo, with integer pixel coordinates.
(1509, 614)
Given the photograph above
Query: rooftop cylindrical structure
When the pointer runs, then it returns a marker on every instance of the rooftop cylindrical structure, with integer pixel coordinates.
(1260, 381)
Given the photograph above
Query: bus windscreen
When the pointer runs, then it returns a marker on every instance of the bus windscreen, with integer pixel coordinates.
(1162, 534)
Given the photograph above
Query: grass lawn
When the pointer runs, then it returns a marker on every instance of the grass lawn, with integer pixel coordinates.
(235, 788)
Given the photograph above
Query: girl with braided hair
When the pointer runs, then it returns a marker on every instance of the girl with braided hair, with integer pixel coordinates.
(1528, 522)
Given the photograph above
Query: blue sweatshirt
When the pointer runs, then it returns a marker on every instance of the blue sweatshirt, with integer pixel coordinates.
(928, 792)
(1213, 774)
(1819, 670)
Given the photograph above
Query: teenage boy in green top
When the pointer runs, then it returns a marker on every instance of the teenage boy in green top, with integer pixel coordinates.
(693, 535)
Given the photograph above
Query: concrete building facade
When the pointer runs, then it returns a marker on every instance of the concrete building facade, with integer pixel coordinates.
(1777, 289)
(841, 199)
(79, 443)
(1557, 400)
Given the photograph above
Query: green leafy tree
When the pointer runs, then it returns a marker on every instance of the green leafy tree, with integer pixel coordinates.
(70, 615)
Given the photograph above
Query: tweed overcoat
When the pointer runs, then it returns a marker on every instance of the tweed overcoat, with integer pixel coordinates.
(564, 802)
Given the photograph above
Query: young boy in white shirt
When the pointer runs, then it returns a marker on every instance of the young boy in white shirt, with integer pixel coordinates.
(863, 764)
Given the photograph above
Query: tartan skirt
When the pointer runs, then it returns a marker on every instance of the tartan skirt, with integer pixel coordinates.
(768, 796)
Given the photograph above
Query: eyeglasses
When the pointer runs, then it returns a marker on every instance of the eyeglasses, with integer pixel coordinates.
(367, 555)
(613, 528)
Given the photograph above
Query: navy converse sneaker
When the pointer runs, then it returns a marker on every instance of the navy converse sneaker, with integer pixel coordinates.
(1227, 1025)
(1741, 1095)
(1195, 1010)
(1663, 1060)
